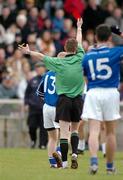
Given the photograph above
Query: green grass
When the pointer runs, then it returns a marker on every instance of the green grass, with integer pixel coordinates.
(25, 164)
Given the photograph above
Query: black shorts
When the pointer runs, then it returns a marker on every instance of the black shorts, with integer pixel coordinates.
(69, 109)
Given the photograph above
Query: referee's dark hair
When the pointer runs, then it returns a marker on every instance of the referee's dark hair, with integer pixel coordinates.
(103, 32)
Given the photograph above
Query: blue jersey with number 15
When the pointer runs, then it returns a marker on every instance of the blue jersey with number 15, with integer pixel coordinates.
(102, 67)
(49, 89)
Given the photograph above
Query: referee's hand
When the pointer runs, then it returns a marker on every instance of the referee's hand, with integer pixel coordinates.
(79, 23)
(24, 49)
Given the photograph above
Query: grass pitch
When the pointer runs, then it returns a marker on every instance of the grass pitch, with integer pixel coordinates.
(25, 164)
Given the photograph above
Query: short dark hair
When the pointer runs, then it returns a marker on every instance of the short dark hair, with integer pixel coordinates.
(103, 32)
(71, 45)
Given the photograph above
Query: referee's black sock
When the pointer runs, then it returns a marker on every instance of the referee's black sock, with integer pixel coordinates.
(74, 142)
(64, 148)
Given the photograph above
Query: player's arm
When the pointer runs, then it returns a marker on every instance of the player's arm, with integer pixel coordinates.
(40, 89)
(79, 31)
(34, 54)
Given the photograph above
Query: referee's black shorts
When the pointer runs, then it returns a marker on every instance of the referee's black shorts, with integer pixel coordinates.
(69, 109)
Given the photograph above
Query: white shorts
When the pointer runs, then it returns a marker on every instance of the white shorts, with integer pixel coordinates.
(102, 104)
(49, 115)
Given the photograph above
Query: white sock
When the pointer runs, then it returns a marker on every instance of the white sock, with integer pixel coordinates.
(75, 155)
(81, 145)
(65, 164)
(103, 148)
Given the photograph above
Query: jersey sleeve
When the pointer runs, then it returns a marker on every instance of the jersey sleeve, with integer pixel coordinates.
(121, 52)
(80, 51)
(84, 61)
(40, 89)
(52, 63)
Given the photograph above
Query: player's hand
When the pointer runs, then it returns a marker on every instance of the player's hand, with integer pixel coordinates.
(79, 23)
(24, 49)
(116, 30)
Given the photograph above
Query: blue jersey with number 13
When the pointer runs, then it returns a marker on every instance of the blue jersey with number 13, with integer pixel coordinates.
(102, 67)
(49, 89)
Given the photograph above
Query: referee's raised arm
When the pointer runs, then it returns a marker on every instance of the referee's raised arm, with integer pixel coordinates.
(79, 31)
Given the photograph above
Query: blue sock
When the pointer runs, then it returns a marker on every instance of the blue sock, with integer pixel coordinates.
(58, 149)
(94, 160)
(52, 161)
(109, 165)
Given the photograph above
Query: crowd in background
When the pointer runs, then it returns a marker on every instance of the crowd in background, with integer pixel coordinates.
(45, 25)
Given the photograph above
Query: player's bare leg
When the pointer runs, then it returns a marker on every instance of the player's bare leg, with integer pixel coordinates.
(110, 145)
(103, 138)
(64, 136)
(74, 144)
(81, 145)
(94, 131)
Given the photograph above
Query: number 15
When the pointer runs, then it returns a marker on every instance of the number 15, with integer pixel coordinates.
(100, 66)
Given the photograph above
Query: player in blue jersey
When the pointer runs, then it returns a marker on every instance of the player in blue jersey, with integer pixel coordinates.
(47, 89)
(102, 69)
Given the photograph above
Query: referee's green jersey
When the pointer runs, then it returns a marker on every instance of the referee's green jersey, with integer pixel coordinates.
(69, 75)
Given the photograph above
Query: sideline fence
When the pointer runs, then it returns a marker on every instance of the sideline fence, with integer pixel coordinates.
(13, 126)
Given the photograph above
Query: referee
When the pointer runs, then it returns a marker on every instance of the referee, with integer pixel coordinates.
(69, 87)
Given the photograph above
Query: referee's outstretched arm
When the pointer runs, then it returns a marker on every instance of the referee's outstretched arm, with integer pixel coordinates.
(34, 54)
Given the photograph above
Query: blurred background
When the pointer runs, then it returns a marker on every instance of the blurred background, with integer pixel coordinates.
(44, 25)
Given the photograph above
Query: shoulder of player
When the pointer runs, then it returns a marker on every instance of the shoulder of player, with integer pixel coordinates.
(50, 73)
(118, 47)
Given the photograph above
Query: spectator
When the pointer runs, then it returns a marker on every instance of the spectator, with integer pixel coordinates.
(15, 63)
(116, 19)
(9, 50)
(57, 40)
(51, 6)
(85, 45)
(47, 25)
(7, 87)
(90, 37)
(93, 15)
(108, 7)
(67, 28)
(6, 19)
(28, 4)
(35, 117)
(31, 39)
(27, 76)
(41, 18)
(46, 45)
(2, 56)
(33, 20)
(2, 63)
(58, 21)
(9, 38)
(13, 6)
(2, 34)
(21, 21)
(67, 25)
(72, 33)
